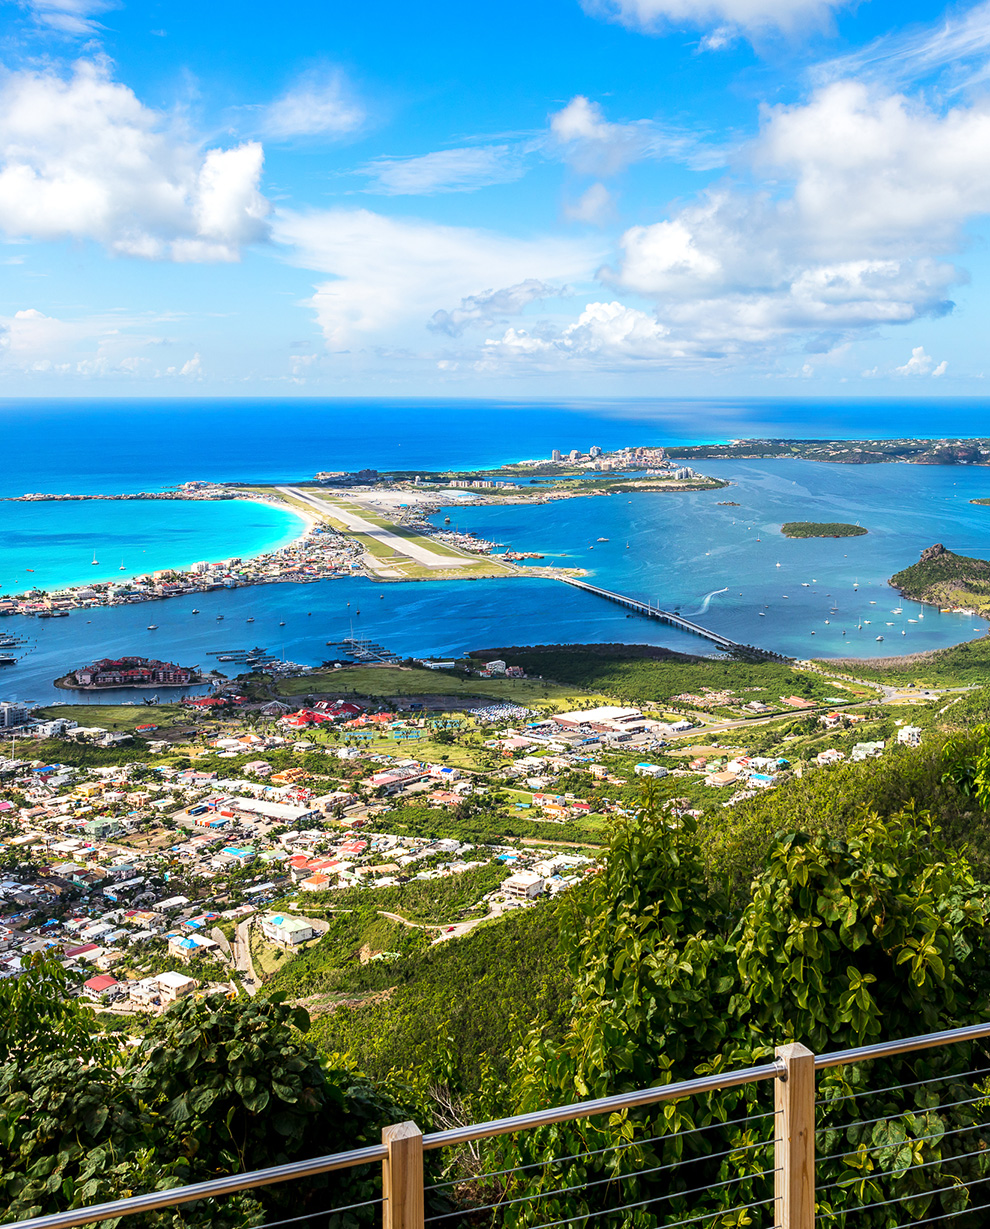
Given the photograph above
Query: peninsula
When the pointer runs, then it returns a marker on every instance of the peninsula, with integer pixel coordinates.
(111, 672)
(949, 581)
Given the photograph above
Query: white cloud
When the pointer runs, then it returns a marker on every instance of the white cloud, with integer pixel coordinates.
(395, 272)
(870, 191)
(752, 16)
(922, 364)
(82, 158)
(605, 334)
(32, 343)
(449, 170)
(955, 48)
(594, 145)
(595, 206)
(319, 104)
(480, 309)
(75, 17)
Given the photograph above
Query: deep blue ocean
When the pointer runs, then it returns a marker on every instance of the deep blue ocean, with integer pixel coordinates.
(679, 550)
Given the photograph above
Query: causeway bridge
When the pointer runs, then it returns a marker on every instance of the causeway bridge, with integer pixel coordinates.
(650, 611)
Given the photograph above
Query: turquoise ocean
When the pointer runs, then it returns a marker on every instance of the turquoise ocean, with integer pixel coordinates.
(684, 551)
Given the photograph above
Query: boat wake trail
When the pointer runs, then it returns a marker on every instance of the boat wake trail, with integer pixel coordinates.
(706, 601)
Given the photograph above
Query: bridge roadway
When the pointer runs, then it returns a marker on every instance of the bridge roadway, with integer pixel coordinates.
(654, 612)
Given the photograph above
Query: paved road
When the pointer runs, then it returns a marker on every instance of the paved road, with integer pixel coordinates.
(242, 957)
(395, 541)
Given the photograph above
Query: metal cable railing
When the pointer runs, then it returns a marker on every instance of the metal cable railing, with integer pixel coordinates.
(892, 1160)
(895, 1159)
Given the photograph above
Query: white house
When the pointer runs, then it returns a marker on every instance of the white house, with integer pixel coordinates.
(286, 931)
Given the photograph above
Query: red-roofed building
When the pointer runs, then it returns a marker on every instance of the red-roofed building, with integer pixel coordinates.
(101, 984)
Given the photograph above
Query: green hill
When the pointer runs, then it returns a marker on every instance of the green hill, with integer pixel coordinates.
(946, 579)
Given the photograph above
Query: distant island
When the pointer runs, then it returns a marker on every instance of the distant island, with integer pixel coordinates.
(949, 581)
(843, 452)
(821, 529)
(984, 502)
(129, 672)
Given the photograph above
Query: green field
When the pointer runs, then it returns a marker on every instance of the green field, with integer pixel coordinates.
(413, 681)
(119, 716)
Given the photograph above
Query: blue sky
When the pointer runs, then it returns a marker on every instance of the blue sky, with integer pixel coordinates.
(610, 198)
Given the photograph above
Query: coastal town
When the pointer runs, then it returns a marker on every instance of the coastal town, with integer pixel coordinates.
(198, 846)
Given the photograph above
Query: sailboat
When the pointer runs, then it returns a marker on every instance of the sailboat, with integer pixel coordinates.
(122, 568)
(95, 560)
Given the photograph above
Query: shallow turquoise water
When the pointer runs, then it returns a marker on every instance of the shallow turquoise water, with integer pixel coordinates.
(53, 545)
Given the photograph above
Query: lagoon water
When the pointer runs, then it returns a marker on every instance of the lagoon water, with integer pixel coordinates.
(50, 546)
(684, 550)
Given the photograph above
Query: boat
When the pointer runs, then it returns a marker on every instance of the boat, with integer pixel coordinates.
(282, 622)
(898, 610)
(250, 619)
(867, 622)
(382, 596)
(879, 637)
(602, 539)
(762, 614)
(194, 610)
(29, 569)
(912, 620)
(804, 584)
(921, 616)
(95, 560)
(826, 622)
(219, 617)
(903, 632)
(152, 627)
(777, 565)
(446, 520)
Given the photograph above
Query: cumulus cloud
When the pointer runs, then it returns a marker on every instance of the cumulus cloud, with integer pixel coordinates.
(605, 334)
(751, 16)
(82, 158)
(871, 191)
(397, 272)
(33, 343)
(922, 364)
(448, 170)
(319, 104)
(481, 309)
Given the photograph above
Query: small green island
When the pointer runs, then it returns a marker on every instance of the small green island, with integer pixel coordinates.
(821, 529)
(982, 502)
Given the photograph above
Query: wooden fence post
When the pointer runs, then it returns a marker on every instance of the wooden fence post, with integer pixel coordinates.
(794, 1148)
(402, 1177)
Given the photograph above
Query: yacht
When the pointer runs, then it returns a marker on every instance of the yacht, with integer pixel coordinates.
(95, 560)
(879, 637)
(194, 610)
(152, 627)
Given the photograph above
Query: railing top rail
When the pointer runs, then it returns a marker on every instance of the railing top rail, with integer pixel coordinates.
(887, 1049)
(204, 1190)
(604, 1105)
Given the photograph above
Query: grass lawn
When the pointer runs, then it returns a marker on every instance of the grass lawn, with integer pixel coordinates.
(410, 681)
(119, 716)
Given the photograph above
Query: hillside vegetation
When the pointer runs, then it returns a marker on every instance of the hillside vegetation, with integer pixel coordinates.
(821, 529)
(946, 579)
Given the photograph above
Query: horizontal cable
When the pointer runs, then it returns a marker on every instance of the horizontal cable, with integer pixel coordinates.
(917, 1139)
(872, 1177)
(605, 1105)
(273, 1224)
(636, 1143)
(912, 1224)
(940, 1190)
(583, 1186)
(875, 1092)
(869, 1122)
(671, 1224)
